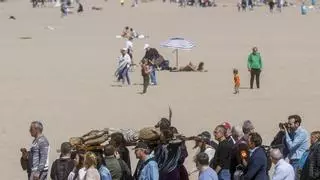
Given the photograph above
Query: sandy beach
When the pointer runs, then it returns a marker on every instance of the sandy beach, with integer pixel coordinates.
(65, 77)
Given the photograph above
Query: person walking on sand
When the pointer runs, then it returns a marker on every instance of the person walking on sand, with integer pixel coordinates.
(145, 71)
(236, 79)
(255, 67)
(123, 67)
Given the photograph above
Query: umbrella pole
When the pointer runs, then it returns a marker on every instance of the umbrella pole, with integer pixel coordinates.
(177, 58)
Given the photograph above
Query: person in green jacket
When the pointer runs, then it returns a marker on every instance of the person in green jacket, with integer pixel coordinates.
(254, 67)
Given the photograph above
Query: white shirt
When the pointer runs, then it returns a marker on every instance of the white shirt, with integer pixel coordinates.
(129, 45)
(209, 151)
(283, 171)
(81, 174)
(124, 60)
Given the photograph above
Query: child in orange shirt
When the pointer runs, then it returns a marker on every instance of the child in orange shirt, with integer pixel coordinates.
(236, 79)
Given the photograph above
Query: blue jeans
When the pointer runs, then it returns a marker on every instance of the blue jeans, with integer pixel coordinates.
(224, 174)
(153, 76)
(125, 75)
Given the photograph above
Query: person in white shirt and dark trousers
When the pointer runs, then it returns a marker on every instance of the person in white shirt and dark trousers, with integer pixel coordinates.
(282, 169)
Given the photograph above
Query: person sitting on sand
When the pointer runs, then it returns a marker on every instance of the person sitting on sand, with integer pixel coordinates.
(133, 33)
(125, 33)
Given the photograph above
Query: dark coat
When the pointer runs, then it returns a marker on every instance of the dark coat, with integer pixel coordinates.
(311, 169)
(257, 166)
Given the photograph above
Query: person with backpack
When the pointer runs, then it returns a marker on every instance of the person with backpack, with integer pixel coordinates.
(257, 166)
(62, 167)
(147, 168)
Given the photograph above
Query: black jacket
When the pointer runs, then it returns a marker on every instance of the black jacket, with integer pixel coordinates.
(311, 169)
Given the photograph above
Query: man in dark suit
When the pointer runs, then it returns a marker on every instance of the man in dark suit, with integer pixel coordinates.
(257, 168)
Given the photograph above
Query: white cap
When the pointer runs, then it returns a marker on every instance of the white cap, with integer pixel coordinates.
(146, 46)
(124, 49)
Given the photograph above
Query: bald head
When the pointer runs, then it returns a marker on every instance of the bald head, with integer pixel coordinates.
(276, 154)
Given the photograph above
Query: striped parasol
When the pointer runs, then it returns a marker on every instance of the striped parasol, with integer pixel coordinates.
(178, 43)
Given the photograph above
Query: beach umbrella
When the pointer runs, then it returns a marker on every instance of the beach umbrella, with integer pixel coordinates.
(178, 43)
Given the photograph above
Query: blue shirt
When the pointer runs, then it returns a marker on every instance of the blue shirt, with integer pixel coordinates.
(104, 173)
(297, 143)
(208, 174)
(150, 171)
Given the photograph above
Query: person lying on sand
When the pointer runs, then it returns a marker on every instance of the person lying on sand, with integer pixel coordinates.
(190, 68)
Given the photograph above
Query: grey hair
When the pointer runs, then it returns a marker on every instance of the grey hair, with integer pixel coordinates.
(38, 125)
(247, 127)
(237, 132)
(276, 154)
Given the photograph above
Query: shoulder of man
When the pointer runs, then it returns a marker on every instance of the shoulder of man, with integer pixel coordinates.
(259, 152)
(317, 146)
(284, 166)
(43, 140)
(151, 161)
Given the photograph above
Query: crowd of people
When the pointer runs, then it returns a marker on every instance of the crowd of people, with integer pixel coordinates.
(151, 62)
(237, 153)
(242, 5)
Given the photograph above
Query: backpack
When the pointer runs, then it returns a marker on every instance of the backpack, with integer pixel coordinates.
(63, 168)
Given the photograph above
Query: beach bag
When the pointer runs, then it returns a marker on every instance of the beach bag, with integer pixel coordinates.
(149, 134)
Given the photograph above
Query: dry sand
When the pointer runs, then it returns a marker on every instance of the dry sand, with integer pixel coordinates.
(65, 76)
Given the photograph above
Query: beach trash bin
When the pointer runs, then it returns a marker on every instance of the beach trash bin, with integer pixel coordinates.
(313, 2)
(303, 9)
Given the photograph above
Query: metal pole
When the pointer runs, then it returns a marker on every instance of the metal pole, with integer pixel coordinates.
(177, 58)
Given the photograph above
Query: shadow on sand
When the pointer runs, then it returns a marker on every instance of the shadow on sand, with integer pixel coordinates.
(116, 85)
(244, 87)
